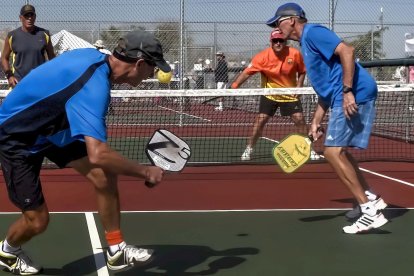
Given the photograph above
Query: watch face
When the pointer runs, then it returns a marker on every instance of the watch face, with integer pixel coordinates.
(347, 89)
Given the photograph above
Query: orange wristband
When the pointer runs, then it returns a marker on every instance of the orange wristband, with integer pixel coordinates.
(114, 237)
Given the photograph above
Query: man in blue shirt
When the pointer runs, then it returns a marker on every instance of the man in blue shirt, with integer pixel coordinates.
(58, 111)
(350, 92)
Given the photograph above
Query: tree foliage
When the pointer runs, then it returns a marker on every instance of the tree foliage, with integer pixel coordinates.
(369, 45)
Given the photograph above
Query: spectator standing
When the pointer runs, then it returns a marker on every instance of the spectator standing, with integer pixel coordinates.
(28, 44)
(199, 74)
(221, 76)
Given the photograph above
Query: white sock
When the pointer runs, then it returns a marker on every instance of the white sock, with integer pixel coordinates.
(8, 248)
(114, 248)
(369, 208)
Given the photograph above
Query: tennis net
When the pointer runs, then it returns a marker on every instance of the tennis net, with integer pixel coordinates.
(220, 136)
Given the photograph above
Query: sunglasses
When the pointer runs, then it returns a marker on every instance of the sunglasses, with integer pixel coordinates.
(278, 40)
(281, 20)
(28, 15)
(150, 62)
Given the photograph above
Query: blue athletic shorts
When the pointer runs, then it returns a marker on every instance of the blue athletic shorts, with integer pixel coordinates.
(350, 133)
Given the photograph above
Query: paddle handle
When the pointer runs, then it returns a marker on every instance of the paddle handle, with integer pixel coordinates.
(149, 184)
(320, 130)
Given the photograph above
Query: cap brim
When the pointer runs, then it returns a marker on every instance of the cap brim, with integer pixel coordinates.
(26, 12)
(163, 65)
(272, 21)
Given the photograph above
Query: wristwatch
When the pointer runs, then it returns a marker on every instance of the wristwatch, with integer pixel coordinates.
(347, 89)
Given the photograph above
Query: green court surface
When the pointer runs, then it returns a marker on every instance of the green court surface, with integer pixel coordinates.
(243, 243)
(230, 149)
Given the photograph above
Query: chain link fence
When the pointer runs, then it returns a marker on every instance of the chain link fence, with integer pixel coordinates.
(192, 31)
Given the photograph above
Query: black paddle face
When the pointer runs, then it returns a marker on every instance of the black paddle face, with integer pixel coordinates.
(167, 151)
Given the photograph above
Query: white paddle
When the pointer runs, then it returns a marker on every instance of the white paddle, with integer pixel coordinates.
(167, 151)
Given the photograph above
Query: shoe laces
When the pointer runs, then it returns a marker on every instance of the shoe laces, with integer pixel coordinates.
(23, 263)
(133, 253)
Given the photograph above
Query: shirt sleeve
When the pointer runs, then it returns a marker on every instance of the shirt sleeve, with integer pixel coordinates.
(323, 40)
(255, 65)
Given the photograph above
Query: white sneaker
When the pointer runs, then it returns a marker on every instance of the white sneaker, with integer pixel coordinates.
(18, 262)
(128, 256)
(247, 154)
(379, 204)
(366, 223)
(314, 155)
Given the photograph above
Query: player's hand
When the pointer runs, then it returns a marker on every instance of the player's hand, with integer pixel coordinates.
(154, 175)
(349, 105)
(234, 85)
(12, 81)
(315, 131)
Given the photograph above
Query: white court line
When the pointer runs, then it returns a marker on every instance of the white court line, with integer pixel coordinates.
(219, 211)
(388, 177)
(365, 170)
(186, 114)
(96, 246)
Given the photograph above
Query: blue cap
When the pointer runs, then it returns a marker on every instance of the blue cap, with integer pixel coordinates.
(288, 9)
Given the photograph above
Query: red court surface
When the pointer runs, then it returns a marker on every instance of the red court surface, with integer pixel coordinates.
(247, 187)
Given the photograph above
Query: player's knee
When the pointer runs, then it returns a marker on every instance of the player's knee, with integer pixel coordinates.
(38, 224)
(331, 153)
(103, 180)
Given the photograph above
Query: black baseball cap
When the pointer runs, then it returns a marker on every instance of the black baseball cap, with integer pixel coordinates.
(27, 9)
(141, 44)
(285, 10)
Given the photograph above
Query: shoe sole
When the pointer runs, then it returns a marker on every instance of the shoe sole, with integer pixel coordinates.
(10, 269)
(5, 266)
(136, 264)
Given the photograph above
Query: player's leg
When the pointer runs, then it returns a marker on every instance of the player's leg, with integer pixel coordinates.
(295, 111)
(355, 212)
(260, 122)
(24, 188)
(342, 133)
(337, 158)
(120, 254)
(220, 85)
(267, 108)
(106, 191)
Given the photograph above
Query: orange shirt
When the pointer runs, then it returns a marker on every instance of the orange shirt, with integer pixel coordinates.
(278, 71)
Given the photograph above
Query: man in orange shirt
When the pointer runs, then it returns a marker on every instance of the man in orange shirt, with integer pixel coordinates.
(280, 66)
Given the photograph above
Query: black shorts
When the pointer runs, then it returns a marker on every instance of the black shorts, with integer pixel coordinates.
(270, 107)
(21, 171)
